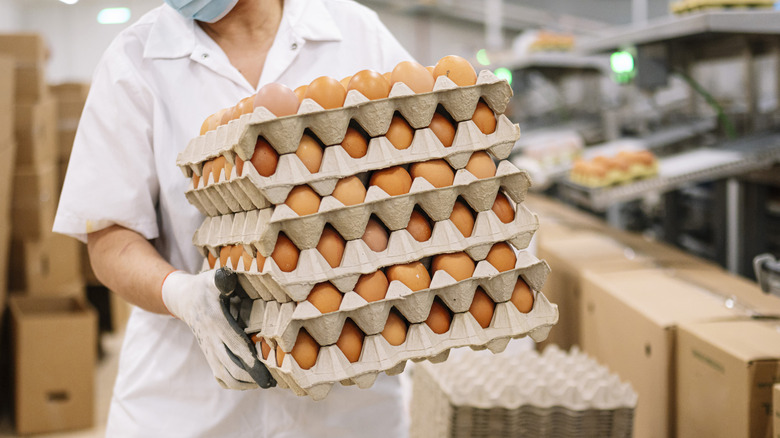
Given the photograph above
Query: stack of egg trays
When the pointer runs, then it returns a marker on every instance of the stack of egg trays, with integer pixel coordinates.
(492, 405)
(241, 211)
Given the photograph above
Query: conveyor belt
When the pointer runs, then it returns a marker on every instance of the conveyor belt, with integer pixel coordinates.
(699, 165)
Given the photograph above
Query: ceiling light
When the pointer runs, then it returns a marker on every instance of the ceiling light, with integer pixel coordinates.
(70, 2)
(113, 16)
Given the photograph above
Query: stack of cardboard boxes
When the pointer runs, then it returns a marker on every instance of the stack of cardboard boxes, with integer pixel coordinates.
(53, 329)
(682, 331)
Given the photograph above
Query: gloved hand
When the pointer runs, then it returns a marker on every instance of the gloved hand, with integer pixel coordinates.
(196, 300)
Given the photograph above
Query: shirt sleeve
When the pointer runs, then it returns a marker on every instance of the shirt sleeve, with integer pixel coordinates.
(111, 175)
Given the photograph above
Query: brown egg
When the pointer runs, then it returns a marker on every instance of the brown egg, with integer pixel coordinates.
(457, 69)
(195, 180)
(310, 153)
(247, 258)
(375, 235)
(277, 98)
(327, 92)
(331, 246)
(484, 118)
(216, 119)
(522, 297)
(350, 341)
(439, 319)
(208, 124)
(279, 355)
(303, 200)
(264, 158)
(224, 255)
(387, 76)
(246, 105)
(482, 308)
(503, 209)
(372, 287)
(285, 254)
(207, 168)
(400, 134)
(419, 226)
(443, 128)
(305, 350)
(265, 349)
(212, 260)
(239, 166)
(345, 81)
(218, 166)
(413, 275)
(463, 218)
(395, 328)
(502, 257)
(393, 180)
(228, 115)
(325, 297)
(354, 143)
(481, 165)
(437, 172)
(414, 75)
(228, 169)
(370, 84)
(430, 70)
(459, 265)
(300, 92)
(350, 190)
(236, 251)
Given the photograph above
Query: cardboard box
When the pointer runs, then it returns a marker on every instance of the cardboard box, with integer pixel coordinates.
(30, 53)
(70, 98)
(568, 259)
(725, 374)
(65, 139)
(54, 363)
(743, 293)
(629, 323)
(34, 201)
(776, 410)
(42, 267)
(7, 81)
(86, 268)
(35, 127)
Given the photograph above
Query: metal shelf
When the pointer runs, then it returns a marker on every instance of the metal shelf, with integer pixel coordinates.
(686, 26)
(563, 61)
(699, 165)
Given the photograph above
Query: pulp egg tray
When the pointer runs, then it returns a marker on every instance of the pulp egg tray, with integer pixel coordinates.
(239, 136)
(251, 191)
(282, 321)
(553, 394)
(421, 343)
(261, 227)
(269, 282)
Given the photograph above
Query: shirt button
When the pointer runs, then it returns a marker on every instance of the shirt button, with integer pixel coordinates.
(294, 46)
(204, 56)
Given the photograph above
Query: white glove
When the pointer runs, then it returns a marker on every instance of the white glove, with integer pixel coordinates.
(195, 300)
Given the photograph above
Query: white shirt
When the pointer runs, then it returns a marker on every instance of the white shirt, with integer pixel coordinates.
(157, 82)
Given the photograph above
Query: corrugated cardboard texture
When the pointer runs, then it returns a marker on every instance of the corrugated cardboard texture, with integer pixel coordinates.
(629, 322)
(54, 364)
(34, 201)
(726, 371)
(41, 267)
(35, 127)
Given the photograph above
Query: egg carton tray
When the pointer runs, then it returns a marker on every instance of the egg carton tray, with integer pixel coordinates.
(233, 193)
(239, 136)
(261, 227)
(270, 283)
(614, 177)
(421, 344)
(282, 321)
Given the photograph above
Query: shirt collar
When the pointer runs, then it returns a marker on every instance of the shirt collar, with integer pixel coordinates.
(173, 36)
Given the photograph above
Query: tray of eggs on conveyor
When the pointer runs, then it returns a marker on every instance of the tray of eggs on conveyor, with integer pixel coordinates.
(369, 223)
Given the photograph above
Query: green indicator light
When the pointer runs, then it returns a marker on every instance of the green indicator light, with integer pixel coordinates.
(504, 73)
(621, 62)
(482, 57)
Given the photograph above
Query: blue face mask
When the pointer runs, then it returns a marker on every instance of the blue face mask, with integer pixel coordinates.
(209, 11)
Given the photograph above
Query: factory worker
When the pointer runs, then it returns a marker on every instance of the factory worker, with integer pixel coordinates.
(123, 194)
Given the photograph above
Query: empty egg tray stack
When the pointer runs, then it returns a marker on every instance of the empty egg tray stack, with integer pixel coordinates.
(553, 394)
(249, 210)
